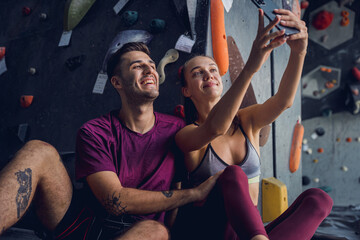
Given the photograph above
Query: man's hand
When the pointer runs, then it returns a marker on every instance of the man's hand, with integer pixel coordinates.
(261, 47)
(297, 42)
(203, 190)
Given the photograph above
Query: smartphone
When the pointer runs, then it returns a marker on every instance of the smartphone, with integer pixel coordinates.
(268, 7)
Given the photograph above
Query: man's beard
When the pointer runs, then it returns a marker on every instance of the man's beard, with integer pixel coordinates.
(136, 97)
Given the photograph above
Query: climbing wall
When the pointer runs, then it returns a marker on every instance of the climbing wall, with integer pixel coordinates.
(63, 97)
(330, 153)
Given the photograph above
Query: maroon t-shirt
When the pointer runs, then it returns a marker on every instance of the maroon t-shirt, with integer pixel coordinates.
(142, 161)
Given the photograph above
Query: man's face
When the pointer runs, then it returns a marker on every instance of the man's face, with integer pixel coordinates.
(138, 76)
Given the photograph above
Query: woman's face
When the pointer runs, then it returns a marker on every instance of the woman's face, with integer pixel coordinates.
(202, 78)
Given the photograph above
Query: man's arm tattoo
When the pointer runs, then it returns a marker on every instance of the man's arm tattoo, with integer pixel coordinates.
(24, 179)
(114, 206)
(167, 194)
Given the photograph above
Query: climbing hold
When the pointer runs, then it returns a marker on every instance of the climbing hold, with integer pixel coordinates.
(320, 131)
(348, 139)
(338, 139)
(358, 139)
(315, 160)
(274, 198)
(26, 11)
(322, 20)
(296, 144)
(305, 141)
(326, 189)
(345, 21)
(157, 25)
(23, 132)
(26, 100)
(334, 81)
(43, 16)
(74, 62)
(305, 147)
(320, 150)
(315, 93)
(323, 69)
(170, 56)
(345, 13)
(322, 91)
(304, 4)
(2, 52)
(329, 85)
(314, 136)
(326, 112)
(32, 71)
(324, 38)
(305, 180)
(129, 18)
(344, 168)
(305, 85)
(356, 72)
(179, 111)
(355, 91)
(309, 151)
(316, 180)
(75, 10)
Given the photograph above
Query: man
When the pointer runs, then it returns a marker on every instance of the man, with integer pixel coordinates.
(126, 158)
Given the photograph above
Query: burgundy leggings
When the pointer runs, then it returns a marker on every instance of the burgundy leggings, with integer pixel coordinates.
(299, 221)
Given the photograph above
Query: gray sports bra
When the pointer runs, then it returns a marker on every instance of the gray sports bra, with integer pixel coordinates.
(212, 163)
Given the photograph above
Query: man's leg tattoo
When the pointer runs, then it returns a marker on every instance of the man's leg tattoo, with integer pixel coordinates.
(24, 178)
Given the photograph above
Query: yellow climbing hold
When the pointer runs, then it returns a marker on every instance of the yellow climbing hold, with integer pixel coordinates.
(274, 198)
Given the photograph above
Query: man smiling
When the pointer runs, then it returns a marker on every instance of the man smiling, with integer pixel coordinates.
(126, 158)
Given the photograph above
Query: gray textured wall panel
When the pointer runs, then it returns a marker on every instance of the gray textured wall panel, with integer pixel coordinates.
(345, 185)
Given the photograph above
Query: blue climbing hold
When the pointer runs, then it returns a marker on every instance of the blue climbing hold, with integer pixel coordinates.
(130, 17)
(157, 25)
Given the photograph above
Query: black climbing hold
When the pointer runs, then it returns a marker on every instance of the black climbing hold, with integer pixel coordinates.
(320, 131)
(74, 62)
(305, 180)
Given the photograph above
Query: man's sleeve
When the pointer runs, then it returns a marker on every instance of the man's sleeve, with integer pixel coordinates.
(93, 154)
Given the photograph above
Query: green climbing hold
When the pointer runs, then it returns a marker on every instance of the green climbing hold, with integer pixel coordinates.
(326, 189)
(129, 18)
(157, 25)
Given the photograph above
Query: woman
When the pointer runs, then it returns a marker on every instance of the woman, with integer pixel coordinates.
(220, 136)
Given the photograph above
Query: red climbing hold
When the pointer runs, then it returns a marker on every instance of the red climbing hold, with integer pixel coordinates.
(322, 20)
(304, 4)
(26, 100)
(2, 52)
(356, 73)
(179, 111)
(26, 11)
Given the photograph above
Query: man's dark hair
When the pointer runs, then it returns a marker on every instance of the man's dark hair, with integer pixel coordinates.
(115, 58)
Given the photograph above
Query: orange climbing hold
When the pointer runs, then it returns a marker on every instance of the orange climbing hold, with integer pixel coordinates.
(345, 21)
(218, 34)
(320, 150)
(345, 13)
(329, 85)
(2, 52)
(296, 145)
(26, 100)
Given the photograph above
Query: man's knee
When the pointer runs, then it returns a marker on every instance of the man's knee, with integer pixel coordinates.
(40, 150)
(153, 230)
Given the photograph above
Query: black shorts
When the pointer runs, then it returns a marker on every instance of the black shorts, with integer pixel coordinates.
(89, 223)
